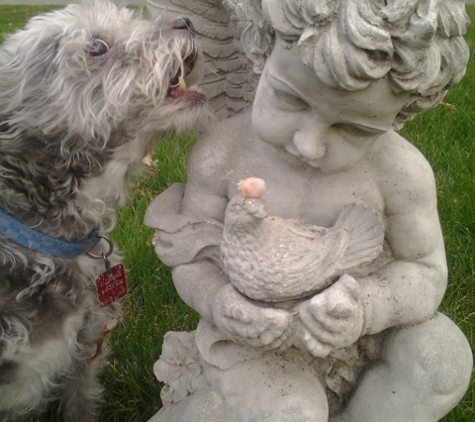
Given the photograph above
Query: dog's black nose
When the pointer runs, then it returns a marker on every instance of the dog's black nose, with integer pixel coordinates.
(183, 23)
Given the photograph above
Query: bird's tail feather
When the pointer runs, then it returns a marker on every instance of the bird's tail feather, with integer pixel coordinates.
(366, 235)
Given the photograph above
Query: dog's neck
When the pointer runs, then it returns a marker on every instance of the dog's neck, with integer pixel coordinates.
(42, 189)
(35, 240)
(68, 187)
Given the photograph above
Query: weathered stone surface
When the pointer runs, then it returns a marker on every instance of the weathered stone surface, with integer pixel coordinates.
(284, 337)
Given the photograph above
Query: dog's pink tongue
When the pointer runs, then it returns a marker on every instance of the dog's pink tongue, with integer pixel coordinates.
(175, 92)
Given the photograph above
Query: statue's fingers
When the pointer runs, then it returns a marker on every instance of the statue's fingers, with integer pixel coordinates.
(281, 320)
(242, 329)
(318, 349)
(267, 337)
(312, 312)
(318, 332)
(327, 324)
(305, 339)
(351, 285)
(237, 312)
(339, 308)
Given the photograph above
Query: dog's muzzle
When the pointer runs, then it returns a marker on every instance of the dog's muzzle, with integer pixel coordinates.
(178, 87)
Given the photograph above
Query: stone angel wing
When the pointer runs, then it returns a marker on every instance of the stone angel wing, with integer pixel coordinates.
(229, 80)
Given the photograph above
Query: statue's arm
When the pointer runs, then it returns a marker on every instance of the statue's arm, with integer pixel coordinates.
(205, 197)
(409, 289)
(201, 283)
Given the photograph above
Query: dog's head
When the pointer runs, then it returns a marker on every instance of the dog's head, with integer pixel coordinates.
(89, 70)
(87, 88)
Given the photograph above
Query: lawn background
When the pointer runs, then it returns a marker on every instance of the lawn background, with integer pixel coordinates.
(445, 135)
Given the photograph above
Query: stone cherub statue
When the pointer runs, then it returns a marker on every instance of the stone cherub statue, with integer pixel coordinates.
(337, 78)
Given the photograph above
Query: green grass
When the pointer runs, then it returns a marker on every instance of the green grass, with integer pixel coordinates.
(15, 16)
(445, 135)
(153, 306)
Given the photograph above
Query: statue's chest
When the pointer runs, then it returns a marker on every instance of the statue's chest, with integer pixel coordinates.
(296, 190)
(319, 199)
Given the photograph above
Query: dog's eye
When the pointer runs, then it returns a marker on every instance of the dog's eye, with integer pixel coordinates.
(98, 48)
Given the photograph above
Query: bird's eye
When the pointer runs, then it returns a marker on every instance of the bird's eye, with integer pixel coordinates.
(98, 48)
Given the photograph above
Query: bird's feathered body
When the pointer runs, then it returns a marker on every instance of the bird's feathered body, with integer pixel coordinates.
(273, 259)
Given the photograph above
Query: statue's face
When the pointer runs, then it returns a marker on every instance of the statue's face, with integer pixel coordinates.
(327, 128)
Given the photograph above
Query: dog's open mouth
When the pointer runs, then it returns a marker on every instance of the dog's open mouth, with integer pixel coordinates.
(179, 90)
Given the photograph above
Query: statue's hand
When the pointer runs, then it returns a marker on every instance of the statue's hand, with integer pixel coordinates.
(247, 323)
(332, 319)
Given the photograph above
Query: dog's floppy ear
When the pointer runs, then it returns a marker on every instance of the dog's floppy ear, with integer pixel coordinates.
(38, 71)
(26, 64)
(35, 64)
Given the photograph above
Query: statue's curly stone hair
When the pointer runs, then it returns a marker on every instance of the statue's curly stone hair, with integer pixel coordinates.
(417, 44)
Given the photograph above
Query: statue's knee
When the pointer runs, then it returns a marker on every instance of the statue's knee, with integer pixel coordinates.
(266, 389)
(435, 356)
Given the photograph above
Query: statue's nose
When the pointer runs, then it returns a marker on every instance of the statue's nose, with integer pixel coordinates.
(311, 143)
(183, 23)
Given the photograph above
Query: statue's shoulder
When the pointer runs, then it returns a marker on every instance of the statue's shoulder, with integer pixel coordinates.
(394, 154)
(225, 133)
(225, 141)
(401, 169)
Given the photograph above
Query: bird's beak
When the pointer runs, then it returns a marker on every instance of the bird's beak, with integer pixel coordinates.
(260, 213)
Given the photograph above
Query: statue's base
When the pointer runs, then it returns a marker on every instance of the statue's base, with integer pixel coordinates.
(202, 406)
(233, 383)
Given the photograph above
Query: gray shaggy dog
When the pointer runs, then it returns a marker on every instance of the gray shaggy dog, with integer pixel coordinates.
(84, 92)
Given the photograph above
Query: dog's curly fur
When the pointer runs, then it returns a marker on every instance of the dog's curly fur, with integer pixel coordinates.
(84, 92)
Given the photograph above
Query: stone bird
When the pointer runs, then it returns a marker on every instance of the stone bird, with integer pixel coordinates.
(274, 259)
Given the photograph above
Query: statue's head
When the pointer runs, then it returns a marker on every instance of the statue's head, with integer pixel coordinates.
(417, 45)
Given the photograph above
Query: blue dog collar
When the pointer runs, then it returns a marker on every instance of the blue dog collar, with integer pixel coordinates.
(33, 239)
